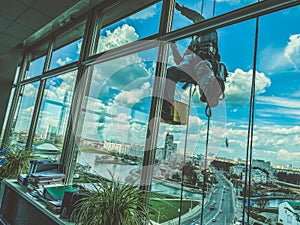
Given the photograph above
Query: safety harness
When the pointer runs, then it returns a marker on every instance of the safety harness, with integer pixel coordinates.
(206, 47)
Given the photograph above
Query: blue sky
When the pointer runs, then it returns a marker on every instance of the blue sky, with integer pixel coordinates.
(125, 84)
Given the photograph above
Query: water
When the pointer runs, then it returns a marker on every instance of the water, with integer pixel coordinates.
(121, 172)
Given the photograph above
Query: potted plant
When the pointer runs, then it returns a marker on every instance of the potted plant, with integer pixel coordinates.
(14, 162)
(111, 203)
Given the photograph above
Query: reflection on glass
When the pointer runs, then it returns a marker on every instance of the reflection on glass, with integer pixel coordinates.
(184, 161)
(222, 7)
(137, 26)
(276, 132)
(23, 115)
(115, 116)
(65, 55)
(36, 67)
(53, 117)
(67, 46)
(17, 75)
(179, 20)
(208, 9)
(36, 57)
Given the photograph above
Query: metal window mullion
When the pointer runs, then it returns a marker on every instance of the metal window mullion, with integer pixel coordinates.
(52, 73)
(70, 149)
(232, 17)
(35, 115)
(128, 49)
(156, 102)
(90, 36)
(39, 99)
(70, 145)
(15, 101)
(48, 56)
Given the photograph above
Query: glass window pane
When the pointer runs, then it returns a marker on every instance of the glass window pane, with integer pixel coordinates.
(53, 117)
(23, 115)
(65, 55)
(67, 47)
(137, 26)
(36, 67)
(114, 117)
(36, 58)
(208, 9)
(180, 20)
(184, 160)
(277, 130)
(222, 7)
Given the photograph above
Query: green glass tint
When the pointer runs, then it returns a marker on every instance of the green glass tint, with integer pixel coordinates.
(23, 115)
(36, 60)
(67, 47)
(53, 117)
(114, 117)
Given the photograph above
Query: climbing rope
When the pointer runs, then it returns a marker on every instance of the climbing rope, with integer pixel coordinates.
(184, 155)
(250, 131)
(214, 8)
(208, 113)
(202, 6)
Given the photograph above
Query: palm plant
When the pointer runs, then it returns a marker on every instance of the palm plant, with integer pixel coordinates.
(15, 163)
(111, 203)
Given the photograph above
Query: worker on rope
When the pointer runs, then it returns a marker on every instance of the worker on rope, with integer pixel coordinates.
(199, 65)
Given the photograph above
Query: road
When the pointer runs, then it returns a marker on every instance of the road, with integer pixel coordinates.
(223, 213)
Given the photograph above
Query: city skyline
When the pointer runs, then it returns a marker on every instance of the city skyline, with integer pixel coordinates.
(124, 103)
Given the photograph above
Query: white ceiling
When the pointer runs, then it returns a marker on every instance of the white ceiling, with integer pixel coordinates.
(19, 19)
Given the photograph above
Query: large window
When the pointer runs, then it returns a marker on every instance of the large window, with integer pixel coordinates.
(206, 169)
(208, 9)
(36, 61)
(23, 115)
(53, 116)
(137, 26)
(277, 131)
(115, 116)
(67, 47)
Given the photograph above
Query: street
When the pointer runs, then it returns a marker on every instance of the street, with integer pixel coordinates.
(221, 197)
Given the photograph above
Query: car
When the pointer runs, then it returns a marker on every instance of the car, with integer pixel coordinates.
(214, 220)
(195, 223)
(220, 210)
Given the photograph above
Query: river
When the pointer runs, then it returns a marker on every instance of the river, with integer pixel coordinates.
(120, 172)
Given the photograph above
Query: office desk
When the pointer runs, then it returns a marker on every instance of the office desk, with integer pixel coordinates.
(18, 208)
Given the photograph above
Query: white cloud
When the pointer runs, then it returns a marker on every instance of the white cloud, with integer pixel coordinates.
(133, 96)
(118, 37)
(292, 50)
(296, 94)
(269, 143)
(284, 131)
(63, 62)
(30, 90)
(276, 59)
(287, 112)
(145, 14)
(279, 101)
(238, 86)
(281, 154)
